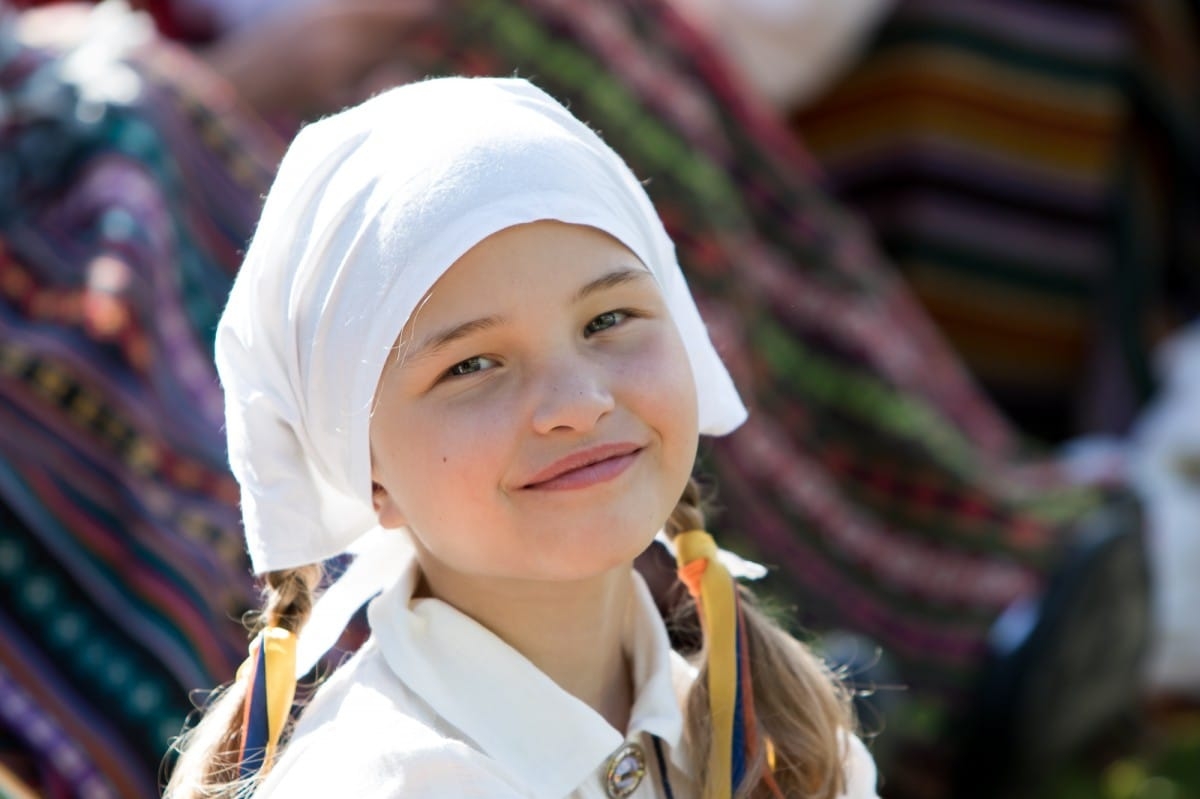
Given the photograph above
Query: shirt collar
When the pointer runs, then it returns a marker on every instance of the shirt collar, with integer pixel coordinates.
(509, 708)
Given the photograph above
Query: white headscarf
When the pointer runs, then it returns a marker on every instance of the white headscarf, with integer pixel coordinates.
(370, 207)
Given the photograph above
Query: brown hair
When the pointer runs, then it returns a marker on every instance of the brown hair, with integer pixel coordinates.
(209, 752)
(802, 708)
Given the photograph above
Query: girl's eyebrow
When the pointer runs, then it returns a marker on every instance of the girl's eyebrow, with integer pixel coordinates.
(615, 278)
(440, 339)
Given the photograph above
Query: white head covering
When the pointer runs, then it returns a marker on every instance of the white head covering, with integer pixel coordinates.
(370, 207)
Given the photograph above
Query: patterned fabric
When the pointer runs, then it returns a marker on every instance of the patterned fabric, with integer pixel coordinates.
(122, 575)
(1034, 168)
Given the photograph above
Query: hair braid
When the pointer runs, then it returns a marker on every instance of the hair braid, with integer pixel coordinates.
(288, 597)
(209, 752)
(688, 513)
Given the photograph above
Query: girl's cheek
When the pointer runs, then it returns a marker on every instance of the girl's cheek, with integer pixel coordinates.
(662, 361)
(472, 423)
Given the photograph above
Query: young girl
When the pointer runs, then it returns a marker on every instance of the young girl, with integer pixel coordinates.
(461, 348)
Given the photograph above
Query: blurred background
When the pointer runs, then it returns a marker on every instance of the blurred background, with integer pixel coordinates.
(950, 250)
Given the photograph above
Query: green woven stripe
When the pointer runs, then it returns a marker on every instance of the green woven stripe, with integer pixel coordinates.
(1089, 69)
(984, 266)
(861, 395)
(630, 129)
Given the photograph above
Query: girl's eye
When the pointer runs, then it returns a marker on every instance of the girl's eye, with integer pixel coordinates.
(471, 365)
(604, 321)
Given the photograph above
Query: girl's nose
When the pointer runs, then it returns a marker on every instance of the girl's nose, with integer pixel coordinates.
(573, 395)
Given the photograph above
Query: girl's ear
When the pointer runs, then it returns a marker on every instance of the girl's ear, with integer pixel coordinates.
(386, 509)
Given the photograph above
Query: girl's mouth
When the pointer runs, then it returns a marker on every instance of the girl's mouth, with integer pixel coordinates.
(586, 468)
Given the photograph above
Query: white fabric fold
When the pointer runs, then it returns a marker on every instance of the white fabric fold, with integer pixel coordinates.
(379, 559)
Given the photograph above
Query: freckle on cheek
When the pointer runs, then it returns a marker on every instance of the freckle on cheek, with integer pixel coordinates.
(444, 459)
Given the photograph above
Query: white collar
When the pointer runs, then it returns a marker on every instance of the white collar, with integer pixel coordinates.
(509, 708)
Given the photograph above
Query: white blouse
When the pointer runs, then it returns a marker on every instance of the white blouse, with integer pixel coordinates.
(436, 706)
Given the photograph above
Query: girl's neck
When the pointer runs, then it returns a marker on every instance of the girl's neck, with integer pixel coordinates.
(571, 631)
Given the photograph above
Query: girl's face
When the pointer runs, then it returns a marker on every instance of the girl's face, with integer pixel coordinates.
(539, 419)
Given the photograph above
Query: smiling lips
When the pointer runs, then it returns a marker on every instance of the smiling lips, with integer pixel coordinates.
(585, 468)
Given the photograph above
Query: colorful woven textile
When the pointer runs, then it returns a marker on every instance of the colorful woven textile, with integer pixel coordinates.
(1034, 168)
(122, 575)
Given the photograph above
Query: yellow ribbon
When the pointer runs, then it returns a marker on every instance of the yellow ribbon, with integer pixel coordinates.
(279, 655)
(711, 586)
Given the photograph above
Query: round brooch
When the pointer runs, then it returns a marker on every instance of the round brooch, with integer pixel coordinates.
(625, 771)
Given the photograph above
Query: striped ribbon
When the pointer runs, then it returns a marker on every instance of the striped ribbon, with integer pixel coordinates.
(270, 675)
(730, 690)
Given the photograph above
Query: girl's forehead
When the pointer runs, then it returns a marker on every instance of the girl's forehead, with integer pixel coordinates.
(550, 252)
(550, 233)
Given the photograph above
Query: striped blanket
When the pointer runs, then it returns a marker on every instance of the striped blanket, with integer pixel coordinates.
(1034, 168)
